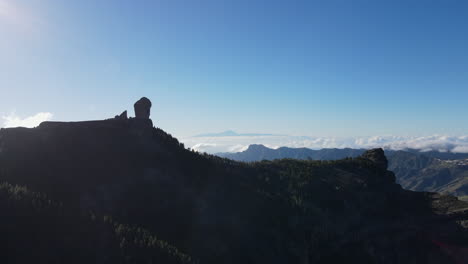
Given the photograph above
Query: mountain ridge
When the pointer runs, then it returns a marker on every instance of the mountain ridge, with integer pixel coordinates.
(415, 170)
(216, 210)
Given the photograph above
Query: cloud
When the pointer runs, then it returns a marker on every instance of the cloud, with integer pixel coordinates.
(460, 149)
(204, 147)
(12, 120)
(237, 148)
(239, 143)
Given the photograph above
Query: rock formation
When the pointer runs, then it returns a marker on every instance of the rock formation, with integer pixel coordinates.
(377, 156)
(122, 116)
(142, 108)
(139, 125)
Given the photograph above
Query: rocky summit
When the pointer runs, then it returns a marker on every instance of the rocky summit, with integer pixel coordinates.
(377, 156)
(123, 191)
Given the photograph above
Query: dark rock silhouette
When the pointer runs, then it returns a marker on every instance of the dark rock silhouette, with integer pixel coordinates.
(122, 116)
(377, 156)
(142, 108)
(138, 125)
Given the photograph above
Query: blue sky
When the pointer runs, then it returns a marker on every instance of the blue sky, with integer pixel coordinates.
(317, 68)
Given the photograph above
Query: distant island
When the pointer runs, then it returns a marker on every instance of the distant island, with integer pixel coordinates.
(230, 133)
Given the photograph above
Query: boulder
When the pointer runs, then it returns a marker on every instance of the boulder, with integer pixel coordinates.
(142, 108)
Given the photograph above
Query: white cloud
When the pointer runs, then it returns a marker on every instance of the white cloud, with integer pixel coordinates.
(12, 120)
(240, 143)
(460, 149)
(204, 147)
(237, 148)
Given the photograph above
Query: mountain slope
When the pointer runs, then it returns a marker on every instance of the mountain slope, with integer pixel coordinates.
(37, 229)
(424, 173)
(215, 210)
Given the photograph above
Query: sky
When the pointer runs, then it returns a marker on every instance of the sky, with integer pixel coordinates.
(322, 69)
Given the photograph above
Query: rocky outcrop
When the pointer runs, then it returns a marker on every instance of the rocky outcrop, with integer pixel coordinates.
(122, 116)
(142, 108)
(138, 125)
(377, 156)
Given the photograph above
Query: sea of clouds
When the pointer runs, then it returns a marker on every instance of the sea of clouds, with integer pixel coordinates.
(13, 120)
(441, 143)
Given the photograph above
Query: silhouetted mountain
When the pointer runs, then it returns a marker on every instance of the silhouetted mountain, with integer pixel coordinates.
(257, 152)
(443, 172)
(121, 191)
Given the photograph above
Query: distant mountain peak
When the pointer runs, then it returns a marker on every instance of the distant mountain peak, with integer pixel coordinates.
(231, 133)
(257, 147)
(227, 133)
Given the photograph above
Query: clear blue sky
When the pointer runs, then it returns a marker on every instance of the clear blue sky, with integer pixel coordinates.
(325, 68)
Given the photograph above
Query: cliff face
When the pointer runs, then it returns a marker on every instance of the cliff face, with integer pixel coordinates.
(221, 211)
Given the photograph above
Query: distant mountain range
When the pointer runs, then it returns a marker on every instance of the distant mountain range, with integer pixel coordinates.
(258, 152)
(443, 172)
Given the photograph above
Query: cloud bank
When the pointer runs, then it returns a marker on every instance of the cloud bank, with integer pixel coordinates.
(441, 143)
(12, 120)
